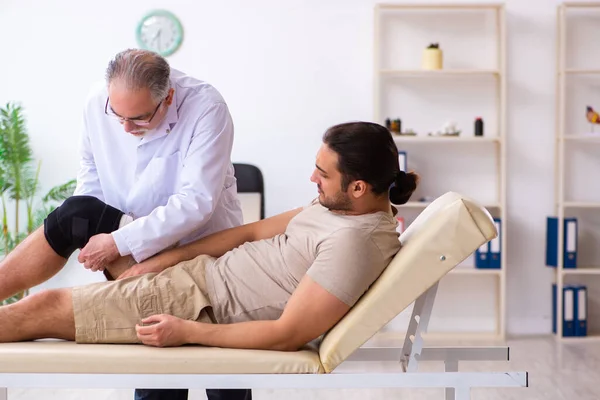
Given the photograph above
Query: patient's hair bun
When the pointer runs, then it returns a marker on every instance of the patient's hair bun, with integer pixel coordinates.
(403, 187)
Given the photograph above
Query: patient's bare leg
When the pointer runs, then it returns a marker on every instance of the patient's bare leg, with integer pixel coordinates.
(48, 314)
(32, 262)
(116, 268)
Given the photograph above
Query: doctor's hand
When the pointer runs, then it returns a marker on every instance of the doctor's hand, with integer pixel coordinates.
(165, 331)
(100, 251)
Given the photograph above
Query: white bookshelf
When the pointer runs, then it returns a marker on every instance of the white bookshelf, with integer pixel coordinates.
(470, 84)
(437, 73)
(453, 140)
(576, 153)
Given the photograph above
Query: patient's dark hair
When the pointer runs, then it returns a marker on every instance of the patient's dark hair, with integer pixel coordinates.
(366, 151)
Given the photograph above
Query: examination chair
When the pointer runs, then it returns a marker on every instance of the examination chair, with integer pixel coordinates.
(443, 235)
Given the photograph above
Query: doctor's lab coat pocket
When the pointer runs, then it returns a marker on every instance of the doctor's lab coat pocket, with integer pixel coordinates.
(163, 173)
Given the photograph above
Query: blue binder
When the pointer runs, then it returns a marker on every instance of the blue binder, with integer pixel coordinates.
(482, 256)
(568, 314)
(495, 254)
(402, 161)
(554, 300)
(569, 242)
(580, 310)
(569, 311)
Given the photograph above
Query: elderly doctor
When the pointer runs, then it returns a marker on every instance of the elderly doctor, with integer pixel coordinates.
(156, 145)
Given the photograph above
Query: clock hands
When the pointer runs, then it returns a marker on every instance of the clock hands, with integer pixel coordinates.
(160, 31)
(156, 38)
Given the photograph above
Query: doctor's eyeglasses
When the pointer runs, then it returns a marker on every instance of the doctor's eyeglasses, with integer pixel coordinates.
(140, 122)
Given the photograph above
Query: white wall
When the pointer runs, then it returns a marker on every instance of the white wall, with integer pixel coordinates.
(288, 69)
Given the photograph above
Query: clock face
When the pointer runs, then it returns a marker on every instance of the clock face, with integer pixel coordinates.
(160, 31)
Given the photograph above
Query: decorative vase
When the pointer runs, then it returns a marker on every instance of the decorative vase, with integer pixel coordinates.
(432, 57)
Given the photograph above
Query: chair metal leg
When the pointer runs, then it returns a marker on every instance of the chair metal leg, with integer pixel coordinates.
(451, 366)
(419, 322)
(461, 393)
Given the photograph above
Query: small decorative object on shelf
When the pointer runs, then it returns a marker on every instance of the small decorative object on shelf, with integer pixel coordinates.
(394, 126)
(478, 126)
(592, 116)
(432, 57)
(408, 132)
(450, 129)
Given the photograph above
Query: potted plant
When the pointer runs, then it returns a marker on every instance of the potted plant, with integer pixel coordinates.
(19, 184)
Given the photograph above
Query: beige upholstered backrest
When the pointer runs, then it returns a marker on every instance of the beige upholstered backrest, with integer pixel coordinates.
(443, 235)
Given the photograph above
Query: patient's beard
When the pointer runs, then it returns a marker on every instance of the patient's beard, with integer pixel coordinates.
(339, 202)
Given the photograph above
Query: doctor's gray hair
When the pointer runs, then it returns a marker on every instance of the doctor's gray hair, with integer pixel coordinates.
(140, 69)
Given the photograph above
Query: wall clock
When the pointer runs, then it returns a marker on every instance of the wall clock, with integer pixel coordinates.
(160, 31)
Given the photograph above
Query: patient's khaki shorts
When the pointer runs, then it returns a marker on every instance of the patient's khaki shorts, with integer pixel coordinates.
(107, 312)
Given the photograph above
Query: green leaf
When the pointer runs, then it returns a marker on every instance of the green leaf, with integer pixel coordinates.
(10, 300)
(17, 153)
(61, 192)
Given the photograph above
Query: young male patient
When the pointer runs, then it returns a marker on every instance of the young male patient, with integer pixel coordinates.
(253, 286)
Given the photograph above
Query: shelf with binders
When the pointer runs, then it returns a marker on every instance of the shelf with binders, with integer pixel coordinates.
(486, 261)
(581, 235)
(447, 115)
(456, 315)
(580, 271)
(581, 308)
(577, 197)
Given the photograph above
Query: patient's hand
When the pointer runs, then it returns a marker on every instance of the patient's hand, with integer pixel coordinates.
(165, 331)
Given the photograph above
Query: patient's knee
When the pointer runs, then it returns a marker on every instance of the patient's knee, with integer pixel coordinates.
(54, 296)
(55, 299)
(71, 225)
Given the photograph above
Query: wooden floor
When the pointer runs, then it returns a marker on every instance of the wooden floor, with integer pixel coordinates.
(557, 371)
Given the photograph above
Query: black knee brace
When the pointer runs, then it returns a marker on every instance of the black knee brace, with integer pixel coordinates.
(71, 225)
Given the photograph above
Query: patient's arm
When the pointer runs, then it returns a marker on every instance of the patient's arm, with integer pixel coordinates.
(216, 244)
(310, 312)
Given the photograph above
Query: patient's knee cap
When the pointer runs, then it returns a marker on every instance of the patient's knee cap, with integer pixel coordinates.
(70, 226)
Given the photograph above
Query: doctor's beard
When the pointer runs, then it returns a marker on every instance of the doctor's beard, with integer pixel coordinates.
(140, 132)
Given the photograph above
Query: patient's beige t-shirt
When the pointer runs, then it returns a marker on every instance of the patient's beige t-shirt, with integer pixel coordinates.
(344, 254)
